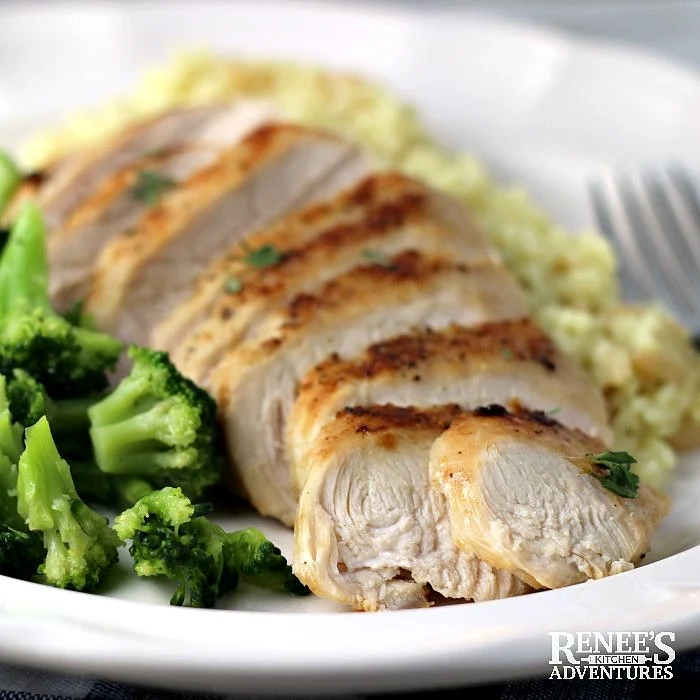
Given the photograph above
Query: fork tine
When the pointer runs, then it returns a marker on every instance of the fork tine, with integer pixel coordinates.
(687, 195)
(681, 249)
(653, 220)
(605, 219)
(641, 240)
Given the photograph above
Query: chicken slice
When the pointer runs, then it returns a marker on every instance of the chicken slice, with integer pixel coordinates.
(377, 196)
(415, 219)
(524, 496)
(76, 177)
(143, 274)
(111, 210)
(370, 531)
(509, 362)
(255, 384)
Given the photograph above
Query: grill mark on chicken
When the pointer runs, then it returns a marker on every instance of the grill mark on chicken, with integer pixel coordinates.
(407, 267)
(409, 219)
(76, 177)
(190, 223)
(468, 365)
(520, 340)
(320, 230)
(365, 304)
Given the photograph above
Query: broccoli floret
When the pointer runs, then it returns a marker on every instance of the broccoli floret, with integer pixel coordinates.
(170, 538)
(70, 426)
(80, 545)
(21, 552)
(260, 562)
(11, 445)
(26, 397)
(69, 361)
(159, 426)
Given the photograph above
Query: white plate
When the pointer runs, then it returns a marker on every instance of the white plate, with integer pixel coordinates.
(542, 110)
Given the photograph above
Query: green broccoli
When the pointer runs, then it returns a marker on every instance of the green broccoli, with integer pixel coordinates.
(171, 538)
(80, 545)
(259, 562)
(110, 490)
(26, 398)
(11, 446)
(10, 178)
(70, 426)
(158, 426)
(21, 553)
(68, 360)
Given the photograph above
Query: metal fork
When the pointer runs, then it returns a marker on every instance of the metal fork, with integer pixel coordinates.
(653, 220)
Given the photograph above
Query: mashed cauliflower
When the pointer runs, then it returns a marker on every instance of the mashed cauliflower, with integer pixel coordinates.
(643, 361)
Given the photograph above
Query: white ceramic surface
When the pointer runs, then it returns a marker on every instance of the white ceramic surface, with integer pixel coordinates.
(542, 110)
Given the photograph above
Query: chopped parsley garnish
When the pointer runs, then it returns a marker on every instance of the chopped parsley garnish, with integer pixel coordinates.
(377, 257)
(265, 256)
(506, 353)
(619, 477)
(150, 186)
(233, 285)
(552, 411)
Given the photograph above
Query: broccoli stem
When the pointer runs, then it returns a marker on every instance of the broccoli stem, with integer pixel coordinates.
(10, 177)
(10, 437)
(130, 490)
(96, 343)
(70, 416)
(24, 280)
(124, 402)
(138, 445)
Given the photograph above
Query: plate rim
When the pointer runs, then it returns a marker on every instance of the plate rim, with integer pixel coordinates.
(670, 579)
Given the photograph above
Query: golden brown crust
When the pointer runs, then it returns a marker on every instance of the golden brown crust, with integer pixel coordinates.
(379, 419)
(124, 257)
(514, 341)
(368, 288)
(268, 281)
(489, 423)
(209, 302)
(406, 215)
(409, 267)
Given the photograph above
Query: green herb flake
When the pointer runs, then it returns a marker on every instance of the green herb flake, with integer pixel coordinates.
(553, 411)
(506, 353)
(377, 257)
(233, 285)
(620, 478)
(265, 256)
(150, 186)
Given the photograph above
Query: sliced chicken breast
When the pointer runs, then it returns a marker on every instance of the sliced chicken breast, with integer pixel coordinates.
(512, 363)
(114, 208)
(255, 384)
(376, 196)
(524, 495)
(370, 530)
(76, 177)
(415, 219)
(143, 274)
